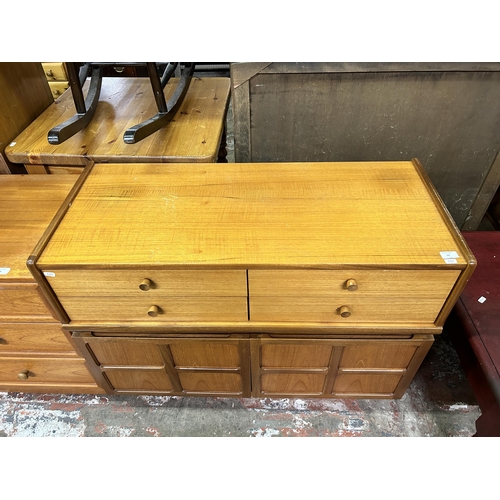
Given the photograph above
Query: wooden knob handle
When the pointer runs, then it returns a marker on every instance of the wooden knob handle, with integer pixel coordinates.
(23, 375)
(153, 311)
(49, 73)
(145, 284)
(351, 285)
(345, 311)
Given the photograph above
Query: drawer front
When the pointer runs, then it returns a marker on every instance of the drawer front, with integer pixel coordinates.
(161, 283)
(148, 308)
(23, 301)
(25, 370)
(330, 309)
(58, 88)
(365, 295)
(34, 338)
(55, 71)
(373, 282)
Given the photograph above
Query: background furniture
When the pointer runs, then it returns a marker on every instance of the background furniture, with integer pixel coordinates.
(474, 327)
(24, 94)
(445, 114)
(57, 77)
(196, 134)
(263, 280)
(35, 355)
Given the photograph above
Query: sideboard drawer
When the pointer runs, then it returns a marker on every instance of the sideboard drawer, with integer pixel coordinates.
(22, 300)
(374, 282)
(147, 308)
(349, 296)
(25, 370)
(34, 337)
(160, 283)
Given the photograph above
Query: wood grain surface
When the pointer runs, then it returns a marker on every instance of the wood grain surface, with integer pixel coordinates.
(322, 215)
(193, 135)
(27, 205)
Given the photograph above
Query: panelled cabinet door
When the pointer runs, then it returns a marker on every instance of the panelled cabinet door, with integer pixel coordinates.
(335, 368)
(197, 367)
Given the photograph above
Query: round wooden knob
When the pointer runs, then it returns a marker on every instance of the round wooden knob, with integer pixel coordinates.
(49, 73)
(345, 311)
(145, 284)
(153, 311)
(351, 285)
(23, 375)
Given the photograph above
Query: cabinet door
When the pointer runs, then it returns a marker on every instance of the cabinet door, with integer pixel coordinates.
(198, 367)
(376, 368)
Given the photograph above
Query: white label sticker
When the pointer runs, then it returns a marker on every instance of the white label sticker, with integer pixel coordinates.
(481, 299)
(4, 270)
(49, 274)
(450, 261)
(449, 255)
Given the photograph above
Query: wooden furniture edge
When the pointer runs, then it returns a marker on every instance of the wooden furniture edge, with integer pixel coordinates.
(296, 328)
(459, 240)
(45, 288)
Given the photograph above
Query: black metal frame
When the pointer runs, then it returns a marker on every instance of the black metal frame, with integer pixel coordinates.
(85, 107)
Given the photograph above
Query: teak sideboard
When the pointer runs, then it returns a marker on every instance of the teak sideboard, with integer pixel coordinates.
(35, 355)
(262, 280)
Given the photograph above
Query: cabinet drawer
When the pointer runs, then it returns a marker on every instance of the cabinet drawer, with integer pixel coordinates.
(387, 296)
(360, 309)
(373, 282)
(34, 338)
(58, 88)
(161, 283)
(148, 308)
(25, 370)
(23, 301)
(55, 71)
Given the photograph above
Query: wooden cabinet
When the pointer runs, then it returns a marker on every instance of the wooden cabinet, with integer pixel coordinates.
(24, 95)
(35, 353)
(269, 280)
(57, 77)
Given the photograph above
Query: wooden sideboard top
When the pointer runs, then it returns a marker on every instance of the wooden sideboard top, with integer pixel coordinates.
(27, 205)
(321, 215)
(193, 135)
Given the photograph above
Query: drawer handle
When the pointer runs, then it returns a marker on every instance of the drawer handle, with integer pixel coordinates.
(345, 311)
(24, 375)
(351, 285)
(146, 284)
(49, 73)
(153, 311)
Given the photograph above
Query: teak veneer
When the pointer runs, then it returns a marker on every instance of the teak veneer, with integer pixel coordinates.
(278, 279)
(35, 354)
